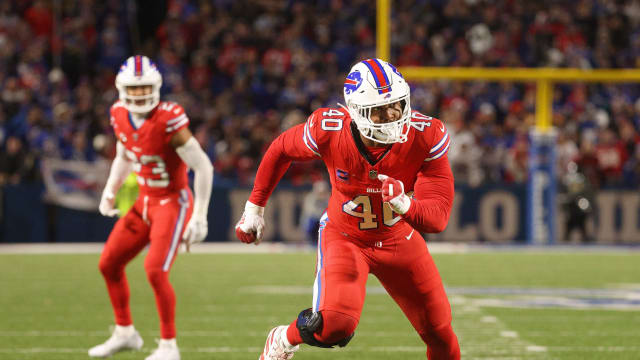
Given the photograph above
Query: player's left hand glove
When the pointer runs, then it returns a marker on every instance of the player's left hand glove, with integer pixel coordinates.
(393, 193)
(195, 231)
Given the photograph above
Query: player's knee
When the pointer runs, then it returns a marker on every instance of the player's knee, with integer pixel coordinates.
(337, 326)
(109, 268)
(326, 329)
(156, 275)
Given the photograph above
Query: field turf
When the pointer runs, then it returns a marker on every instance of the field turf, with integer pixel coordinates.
(506, 305)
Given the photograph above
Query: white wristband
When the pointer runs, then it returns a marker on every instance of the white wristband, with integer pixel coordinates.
(253, 209)
(400, 204)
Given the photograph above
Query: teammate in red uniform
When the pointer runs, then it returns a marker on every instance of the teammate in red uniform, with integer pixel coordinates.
(154, 142)
(376, 149)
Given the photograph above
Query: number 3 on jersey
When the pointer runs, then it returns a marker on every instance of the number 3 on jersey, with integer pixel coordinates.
(368, 217)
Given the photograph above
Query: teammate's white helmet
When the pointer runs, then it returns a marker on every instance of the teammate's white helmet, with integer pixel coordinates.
(139, 70)
(372, 83)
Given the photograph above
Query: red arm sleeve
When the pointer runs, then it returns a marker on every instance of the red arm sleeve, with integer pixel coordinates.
(289, 146)
(433, 197)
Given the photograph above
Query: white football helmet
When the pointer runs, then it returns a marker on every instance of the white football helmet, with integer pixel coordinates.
(139, 70)
(372, 83)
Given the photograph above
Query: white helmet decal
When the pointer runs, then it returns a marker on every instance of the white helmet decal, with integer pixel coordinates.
(139, 70)
(372, 83)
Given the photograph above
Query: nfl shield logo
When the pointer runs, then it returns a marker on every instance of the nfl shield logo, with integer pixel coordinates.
(135, 136)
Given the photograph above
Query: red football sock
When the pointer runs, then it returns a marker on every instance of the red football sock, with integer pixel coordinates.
(293, 334)
(165, 301)
(118, 289)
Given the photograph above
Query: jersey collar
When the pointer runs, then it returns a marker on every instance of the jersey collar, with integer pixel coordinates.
(362, 148)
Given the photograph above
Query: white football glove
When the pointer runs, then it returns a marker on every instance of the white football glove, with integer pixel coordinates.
(106, 206)
(196, 231)
(250, 228)
(393, 192)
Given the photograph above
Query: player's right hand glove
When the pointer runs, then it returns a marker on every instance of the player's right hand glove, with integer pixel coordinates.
(250, 228)
(393, 193)
(106, 206)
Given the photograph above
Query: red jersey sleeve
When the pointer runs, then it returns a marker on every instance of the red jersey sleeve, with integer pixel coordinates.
(434, 189)
(296, 144)
(440, 141)
(176, 118)
(113, 113)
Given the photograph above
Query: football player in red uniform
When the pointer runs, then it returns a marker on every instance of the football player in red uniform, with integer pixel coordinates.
(377, 152)
(154, 141)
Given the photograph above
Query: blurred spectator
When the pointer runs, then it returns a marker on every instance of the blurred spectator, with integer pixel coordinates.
(567, 152)
(611, 155)
(16, 164)
(577, 202)
(517, 167)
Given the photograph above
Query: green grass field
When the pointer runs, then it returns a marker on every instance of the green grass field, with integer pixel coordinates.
(506, 305)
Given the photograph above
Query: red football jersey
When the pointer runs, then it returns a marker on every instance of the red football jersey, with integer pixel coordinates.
(356, 207)
(159, 169)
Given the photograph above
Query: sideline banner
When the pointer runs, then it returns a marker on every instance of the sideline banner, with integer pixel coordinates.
(74, 184)
(493, 214)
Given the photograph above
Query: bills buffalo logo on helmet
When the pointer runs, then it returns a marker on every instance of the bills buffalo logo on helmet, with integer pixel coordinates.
(352, 82)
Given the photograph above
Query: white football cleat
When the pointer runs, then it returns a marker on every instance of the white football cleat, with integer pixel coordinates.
(128, 339)
(277, 347)
(167, 350)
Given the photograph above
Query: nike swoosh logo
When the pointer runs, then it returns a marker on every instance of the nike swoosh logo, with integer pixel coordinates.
(408, 237)
(442, 128)
(164, 201)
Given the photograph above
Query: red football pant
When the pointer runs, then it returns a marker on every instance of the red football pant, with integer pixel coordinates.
(405, 269)
(159, 222)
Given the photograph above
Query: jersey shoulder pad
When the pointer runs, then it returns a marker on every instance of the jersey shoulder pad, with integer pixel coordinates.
(173, 115)
(169, 109)
(430, 134)
(321, 125)
(116, 110)
(437, 140)
(421, 125)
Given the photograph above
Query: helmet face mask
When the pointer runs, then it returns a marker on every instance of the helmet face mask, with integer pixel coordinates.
(373, 83)
(139, 71)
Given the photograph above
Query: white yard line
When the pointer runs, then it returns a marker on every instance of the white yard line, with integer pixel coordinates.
(490, 336)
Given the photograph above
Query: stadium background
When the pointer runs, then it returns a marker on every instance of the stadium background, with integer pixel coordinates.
(245, 71)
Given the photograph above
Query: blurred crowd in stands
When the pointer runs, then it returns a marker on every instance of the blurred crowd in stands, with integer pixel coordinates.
(247, 70)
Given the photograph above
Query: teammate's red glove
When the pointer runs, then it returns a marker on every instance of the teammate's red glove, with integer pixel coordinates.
(393, 193)
(250, 228)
